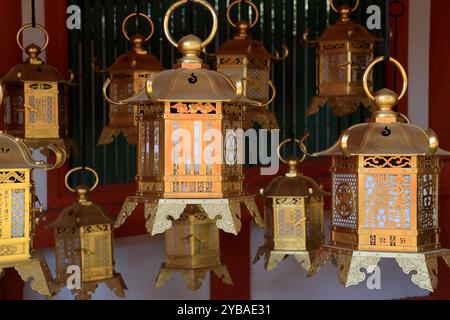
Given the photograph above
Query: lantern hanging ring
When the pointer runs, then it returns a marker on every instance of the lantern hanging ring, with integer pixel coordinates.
(251, 4)
(302, 145)
(125, 21)
(105, 95)
(28, 26)
(369, 69)
(175, 6)
(274, 93)
(352, 10)
(94, 173)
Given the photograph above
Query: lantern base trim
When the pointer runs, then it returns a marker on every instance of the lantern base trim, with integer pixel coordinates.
(226, 212)
(273, 257)
(192, 277)
(36, 269)
(109, 134)
(341, 105)
(115, 284)
(350, 262)
(261, 116)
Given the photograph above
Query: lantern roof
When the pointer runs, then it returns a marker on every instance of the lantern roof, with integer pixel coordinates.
(243, 44)
(346, 29)
(82, 213)
(14, 154)
(33, 69)
(136, 59)
(298, 186)
(386, 133)
(190, 81)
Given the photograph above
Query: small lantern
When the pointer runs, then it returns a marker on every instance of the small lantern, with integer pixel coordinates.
(18, 212)
(344, 51)
(192, 249)
(127, 76)
(35, 105)
(84, 238)
(293, 215)
(188, 111)
(385, 194)
(248, 60)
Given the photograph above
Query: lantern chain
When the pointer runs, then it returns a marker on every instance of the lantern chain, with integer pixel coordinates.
(387, 36)
(33, 13)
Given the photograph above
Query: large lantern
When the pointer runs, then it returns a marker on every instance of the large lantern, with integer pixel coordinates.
(127, 76)
(192, 249)
(249, 61)
(18, 212)
(35, 105)
(84, 238)
(293, 216)
(385, 195)
(344, 51)
(189, 112)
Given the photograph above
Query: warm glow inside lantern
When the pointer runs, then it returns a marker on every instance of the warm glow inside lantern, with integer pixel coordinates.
(344, 51)
(293, 215)
(127, 76)
(248, 60)
(385, 194)
(36, 100)
(18, 212)
(192, 249)
(188, 145)
(84, 238)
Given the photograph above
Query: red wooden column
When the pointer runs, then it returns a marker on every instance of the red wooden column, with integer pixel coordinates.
(10, 55)
(439, 120)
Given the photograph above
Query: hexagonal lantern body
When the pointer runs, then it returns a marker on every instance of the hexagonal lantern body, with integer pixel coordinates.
(19, 213)
(344, 51)
(193, 249)
(127, 76)
(84, 238)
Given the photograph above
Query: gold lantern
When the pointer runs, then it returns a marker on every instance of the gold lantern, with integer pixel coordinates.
(293, 215)
(192, 249)
(385, 194)
(35, 104)
(18, 212)
(183, 106)
(84, 238)
(248, 60)
(127, 76)
(344, 51)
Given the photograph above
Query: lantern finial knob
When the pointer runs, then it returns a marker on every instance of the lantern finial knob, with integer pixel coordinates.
(82, 195)
(191, 47)
(33, 51)
(293, 162)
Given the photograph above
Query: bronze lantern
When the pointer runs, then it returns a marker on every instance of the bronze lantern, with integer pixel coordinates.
(385, 193)
(248, 60)
(344, 50)
(192, 249)
(127, 76)
(19, 215)
(84, 238)
(188, 110)
(35, 104)
(293, 215)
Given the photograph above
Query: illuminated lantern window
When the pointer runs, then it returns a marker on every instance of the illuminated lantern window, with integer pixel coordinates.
(248, 60)
(36, 100)
(344, 51)
(84, 239)
(192, 249)
(190, 124)
(127, 76)
(18, 212)
(385, 193)
(293, 215)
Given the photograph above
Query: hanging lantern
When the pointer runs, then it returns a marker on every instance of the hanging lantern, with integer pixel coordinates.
(293, 215)
(18, 212)
(127, 76)
(84, 238)
(35, 105)
(192, 249)
(344, 51)
(187, 109)
(248, 60)
(385, 194)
